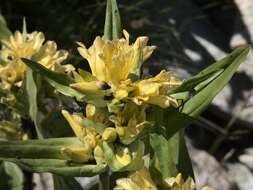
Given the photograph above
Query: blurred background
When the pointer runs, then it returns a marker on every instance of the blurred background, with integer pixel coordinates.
(190, 35)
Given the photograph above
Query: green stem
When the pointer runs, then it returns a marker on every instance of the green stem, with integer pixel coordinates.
(104, 181)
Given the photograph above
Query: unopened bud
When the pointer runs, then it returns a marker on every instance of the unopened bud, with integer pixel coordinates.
(109, 134)
(121, 131)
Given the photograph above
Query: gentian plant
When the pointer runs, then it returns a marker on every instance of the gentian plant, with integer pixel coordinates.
(131, 131)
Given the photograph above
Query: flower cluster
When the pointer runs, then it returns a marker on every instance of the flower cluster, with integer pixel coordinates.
(116, 117)
(141, 180)
(31, 46)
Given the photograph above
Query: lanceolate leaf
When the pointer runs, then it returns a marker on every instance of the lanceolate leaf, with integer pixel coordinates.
(204, 87)
(199, 102)
(116, 22)
(193, 107)
(184, 160)
(31, 90)
(180, 155)
(108, 21)
(4, 30)
(59, 81)
(164, 158)
(112, 27)
(212, 70)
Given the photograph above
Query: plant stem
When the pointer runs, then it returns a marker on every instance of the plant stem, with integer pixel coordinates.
(104, 181)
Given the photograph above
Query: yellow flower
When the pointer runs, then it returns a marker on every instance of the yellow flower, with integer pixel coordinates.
(100, 115)
(113, 61)
(23, 45)
(178, 183)
(87, 135)
(139, 180)
(91, 137)
(123, 155)
(115, 64)
(150, 91)
(130, 122)
(123, 158)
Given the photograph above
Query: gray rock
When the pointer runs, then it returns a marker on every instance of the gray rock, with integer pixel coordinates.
(247, 158)
(241, 175)
(43, 181)
(208, 171)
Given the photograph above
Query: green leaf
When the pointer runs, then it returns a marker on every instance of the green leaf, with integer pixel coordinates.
(164, 161)
(58, 167)
(4, 30)
(61, 82)
(184, 163)
(203, 98)
(205, 85)
(108, 21)
(47, 148)
(44, 155)
(112, 27)
(116, 22)
(11, 176)
(212, 70)
(31, 90)
(65, 183)
(221, 72)
(180, 155)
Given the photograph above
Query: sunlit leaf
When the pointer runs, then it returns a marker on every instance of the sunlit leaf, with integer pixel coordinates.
(61, 82)
(163, 157)
(193, 107)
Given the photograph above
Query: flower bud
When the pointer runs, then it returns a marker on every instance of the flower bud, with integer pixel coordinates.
(121, 131)
(76, 154)
(109, 134)
(98, 154)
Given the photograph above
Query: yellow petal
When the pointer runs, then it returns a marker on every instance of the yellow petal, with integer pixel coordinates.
(163, 101)
(77, 128)
(123, 156)
(98, 154)
(126, 184)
